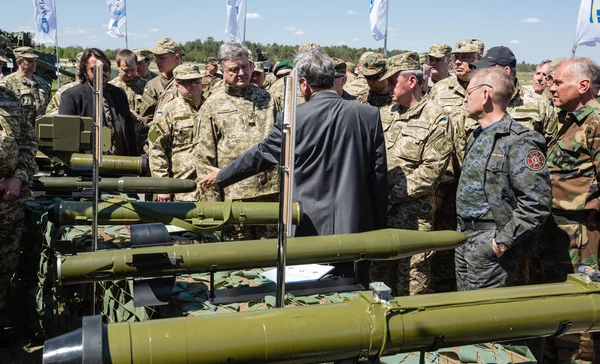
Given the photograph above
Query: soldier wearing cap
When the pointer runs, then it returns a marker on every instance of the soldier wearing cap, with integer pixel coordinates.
(359, 83)
(168, 56)
(373, 67)
(526, 107)
(418, 152)
(233, 119)
(143, 65)
(439, 60)
(450, 93)
(133, 85)
(33, 90)
(212, 78)
(340, 78)
(258, 75)
(54, 103)
(170, 139)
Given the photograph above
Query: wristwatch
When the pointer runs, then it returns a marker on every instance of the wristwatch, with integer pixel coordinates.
(502, 247)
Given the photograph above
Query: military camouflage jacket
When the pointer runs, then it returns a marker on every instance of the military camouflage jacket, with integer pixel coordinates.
(35, 95)
(54, 103)
(276, 91)
(517, 183)
(369, 97)
(209, 82)
(574, 160)
(530, 109)
(418, 152)
(450, 95)
(350, 79)
(149, 76)
(230, 122)
(134, 90)
(357, 86)
(170, 143)
(152, 92)
(269, 81)
(18, 142)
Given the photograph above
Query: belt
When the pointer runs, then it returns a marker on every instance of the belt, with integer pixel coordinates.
(476, 224)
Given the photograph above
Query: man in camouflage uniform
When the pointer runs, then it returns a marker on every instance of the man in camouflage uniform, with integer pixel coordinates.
(258, 75)
(340, 78)
(439, 60)
(18, 145)
(350, 75)
(552, 128)
(449, 93)
(571, 237)
(54, 103)
(168, 56)
(418, 152)
(170, 140)
(133, 85)
(540, 77)
(212, 77)
(504, 191)
(33, 91)
(236, 117)
(359, 84)
(376, 94)
(143, 65)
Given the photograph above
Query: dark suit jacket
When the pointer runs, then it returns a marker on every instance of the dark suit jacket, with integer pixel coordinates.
(79, 100)
(340, 172)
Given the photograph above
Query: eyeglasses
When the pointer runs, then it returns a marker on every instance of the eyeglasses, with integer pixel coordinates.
(470, 90)
(193, 82)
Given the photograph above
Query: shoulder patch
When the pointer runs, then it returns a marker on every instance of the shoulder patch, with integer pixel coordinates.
(535, 160)
(2, 83)
(442, 145)
(159, 112)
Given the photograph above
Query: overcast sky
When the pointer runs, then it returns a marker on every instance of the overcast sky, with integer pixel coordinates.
(533, 29)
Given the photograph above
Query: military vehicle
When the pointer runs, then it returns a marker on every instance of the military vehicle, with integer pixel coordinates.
(46, 63)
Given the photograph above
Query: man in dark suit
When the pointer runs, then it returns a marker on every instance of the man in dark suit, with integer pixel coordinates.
(340, 174)
(79, 100)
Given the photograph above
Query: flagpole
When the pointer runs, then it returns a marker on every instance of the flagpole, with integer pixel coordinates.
(245, 12)
(387, 8)
(56, 46)
(126, 32)
(573, 50)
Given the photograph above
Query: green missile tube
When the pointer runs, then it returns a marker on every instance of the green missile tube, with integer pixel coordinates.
(365, 328)
(198, 258)
(123, 184)
(111, 165)
(199, 214)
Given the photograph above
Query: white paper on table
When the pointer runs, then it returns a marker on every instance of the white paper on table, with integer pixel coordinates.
(300, 273)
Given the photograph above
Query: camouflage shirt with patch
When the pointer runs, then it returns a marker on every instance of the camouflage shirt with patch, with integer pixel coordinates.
(34, 94)
(418, 152)
(170, 143)
(18, 142)
(152, 92)
(574, 160)
(229, 122)
(530, 109)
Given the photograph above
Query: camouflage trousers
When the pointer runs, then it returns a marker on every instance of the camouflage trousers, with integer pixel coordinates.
(244, 232)
(407, 276)
(563, 246)
(478, 267)
(443, 276)
(12, 223)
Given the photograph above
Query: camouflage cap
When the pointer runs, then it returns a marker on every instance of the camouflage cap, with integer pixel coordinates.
(166, 45)
(408, 61)
(553, 66)
(350, 67)
(187, 71)
(372, 63)
(339, 65)
(3, 60)
(259, 67)
(211, 60)
(24, 52)
(307, 47)
(440, 50)
(469, 46)
(142, 53)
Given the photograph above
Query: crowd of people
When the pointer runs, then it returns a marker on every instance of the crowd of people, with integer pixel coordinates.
(444, 140)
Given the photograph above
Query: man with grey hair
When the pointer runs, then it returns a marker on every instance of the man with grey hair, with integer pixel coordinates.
(235, 117)
(540, 77)
(340, 175)
(419, 148)
(571, 238)
(504, 192)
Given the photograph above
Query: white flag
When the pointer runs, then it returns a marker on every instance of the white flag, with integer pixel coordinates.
(378, 18)
(588, 24)
(232, 28)
(118, 17)
(45, 22)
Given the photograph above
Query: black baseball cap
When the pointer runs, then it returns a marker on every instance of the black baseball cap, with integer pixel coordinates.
(500, 55)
